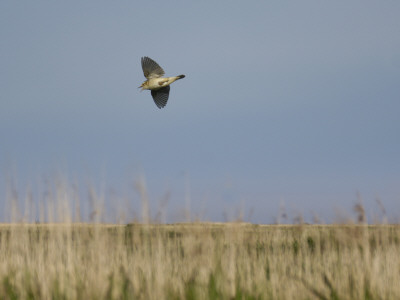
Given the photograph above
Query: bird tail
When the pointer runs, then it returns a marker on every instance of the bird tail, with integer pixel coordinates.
(181, 76)
(142, 86)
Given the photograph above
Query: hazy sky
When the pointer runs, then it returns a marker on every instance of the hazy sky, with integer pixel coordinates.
(285, 103)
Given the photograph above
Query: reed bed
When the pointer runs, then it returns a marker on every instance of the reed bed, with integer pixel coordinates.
(50, 250)
(199, 261)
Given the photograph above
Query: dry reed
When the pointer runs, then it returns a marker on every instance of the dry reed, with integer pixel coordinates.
(70, 260)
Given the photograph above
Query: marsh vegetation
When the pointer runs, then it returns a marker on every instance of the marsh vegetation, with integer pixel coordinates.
(62, 255)
(199, 261)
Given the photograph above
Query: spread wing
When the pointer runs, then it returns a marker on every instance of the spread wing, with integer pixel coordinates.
(160, 96)
(151, 69)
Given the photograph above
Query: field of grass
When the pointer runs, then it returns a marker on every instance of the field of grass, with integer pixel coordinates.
(199, 261)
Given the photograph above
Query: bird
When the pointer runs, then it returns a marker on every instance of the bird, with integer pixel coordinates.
(158, 85)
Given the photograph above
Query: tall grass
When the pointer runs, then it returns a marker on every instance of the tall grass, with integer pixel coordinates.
(199, 261)
(71, 260)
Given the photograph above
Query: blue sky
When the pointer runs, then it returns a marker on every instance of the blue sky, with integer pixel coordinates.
(284, 103)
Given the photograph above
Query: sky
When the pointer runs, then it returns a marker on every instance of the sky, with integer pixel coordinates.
(286, 106)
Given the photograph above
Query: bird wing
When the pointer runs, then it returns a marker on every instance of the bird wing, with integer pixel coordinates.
(151, 69)
(160, 96)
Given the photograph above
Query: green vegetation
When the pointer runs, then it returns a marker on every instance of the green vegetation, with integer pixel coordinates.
(199, 261)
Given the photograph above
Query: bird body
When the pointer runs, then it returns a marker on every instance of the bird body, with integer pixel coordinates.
(158, 85)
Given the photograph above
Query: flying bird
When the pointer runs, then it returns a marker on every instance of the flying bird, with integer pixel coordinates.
(158, 85)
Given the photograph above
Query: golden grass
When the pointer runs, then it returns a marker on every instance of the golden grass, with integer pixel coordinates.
(199, 261)
(72, 260)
